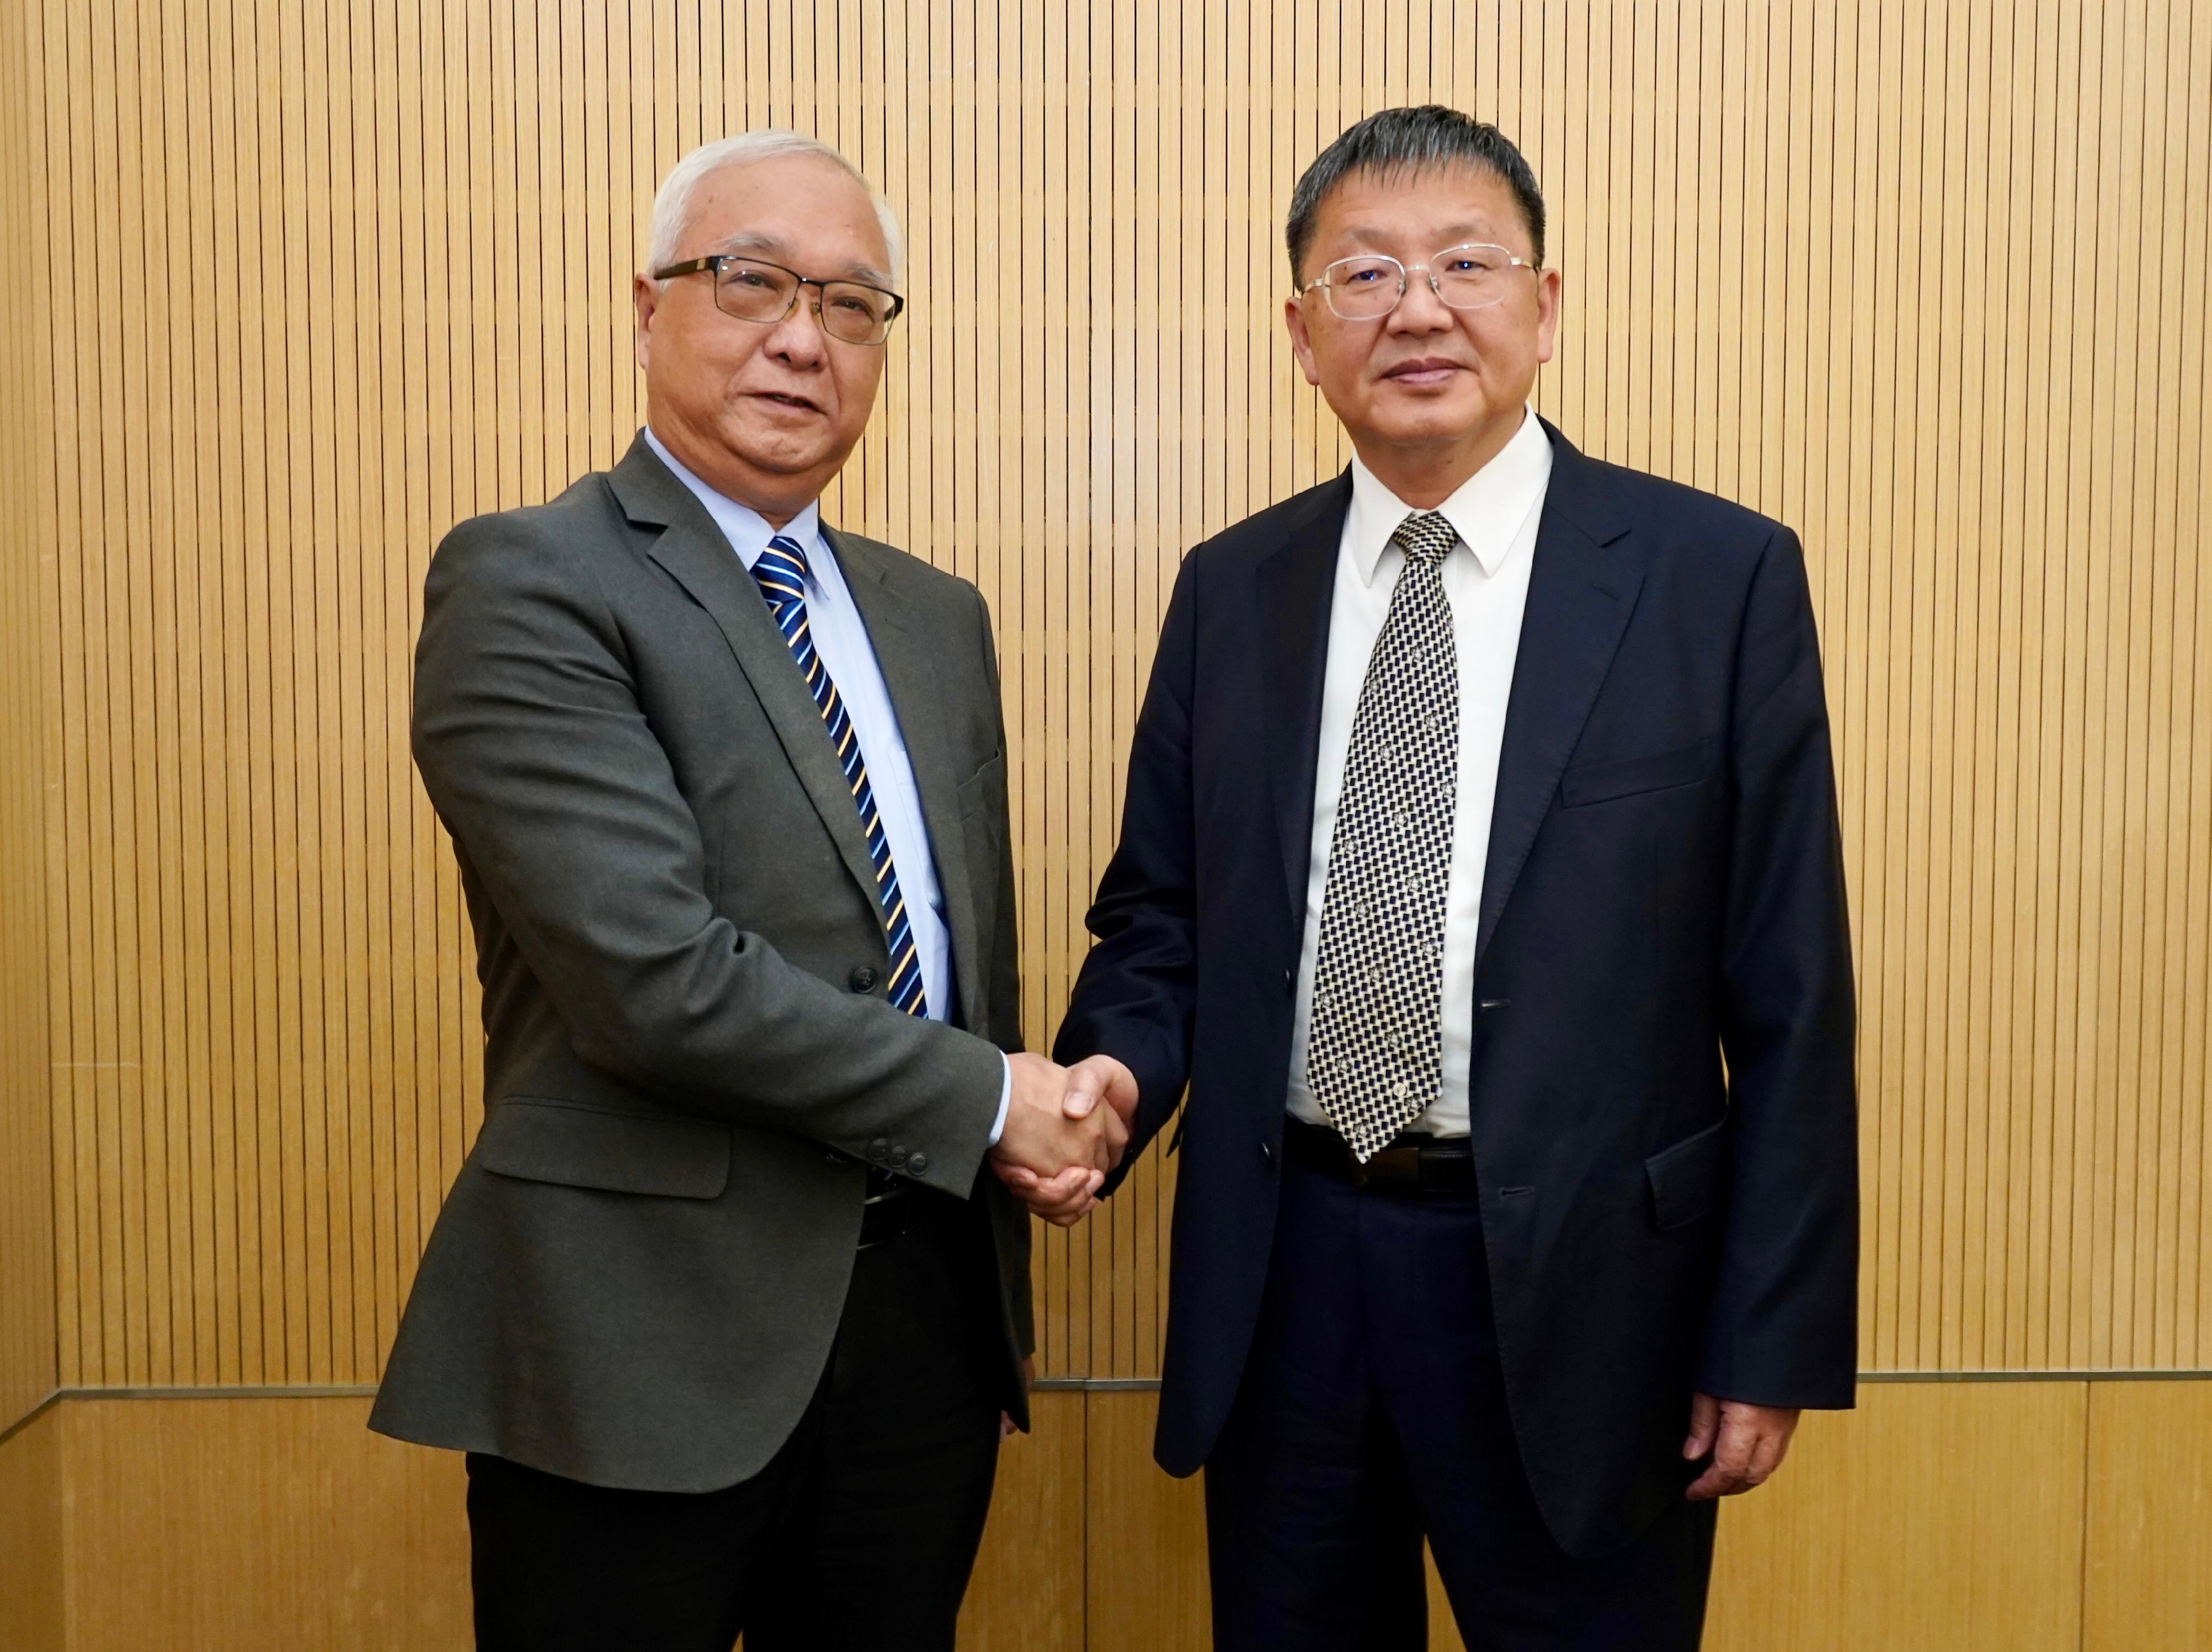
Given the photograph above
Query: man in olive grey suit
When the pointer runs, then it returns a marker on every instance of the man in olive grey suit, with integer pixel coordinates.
(723, 1306)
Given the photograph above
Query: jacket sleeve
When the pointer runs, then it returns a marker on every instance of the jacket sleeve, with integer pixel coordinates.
(1782, 1326)
(539, 758)
(1137, 991)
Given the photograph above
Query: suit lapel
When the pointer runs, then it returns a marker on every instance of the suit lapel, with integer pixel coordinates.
(1294, 585)
(695, 554)
(911, 660)
(1582, 587)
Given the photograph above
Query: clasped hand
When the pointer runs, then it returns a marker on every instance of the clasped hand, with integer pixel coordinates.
(1059, 1144)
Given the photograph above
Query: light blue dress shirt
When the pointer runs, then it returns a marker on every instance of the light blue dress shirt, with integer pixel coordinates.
(841, 637)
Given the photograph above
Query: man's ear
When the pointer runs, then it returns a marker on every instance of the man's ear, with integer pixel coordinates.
(1294, 322)
(1548, 287)
(644, 299)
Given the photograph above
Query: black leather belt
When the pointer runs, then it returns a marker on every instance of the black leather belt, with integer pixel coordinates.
(1410, 1165)
(883, 1216)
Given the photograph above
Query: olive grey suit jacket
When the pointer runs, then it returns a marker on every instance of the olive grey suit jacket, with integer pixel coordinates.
(689, 1058)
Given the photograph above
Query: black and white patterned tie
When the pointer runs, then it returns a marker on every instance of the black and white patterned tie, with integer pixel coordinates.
(1374, 1043)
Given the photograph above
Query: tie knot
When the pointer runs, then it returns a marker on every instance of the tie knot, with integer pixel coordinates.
(1425, 537)
(781, 570)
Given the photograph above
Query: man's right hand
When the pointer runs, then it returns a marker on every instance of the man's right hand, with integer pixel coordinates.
(1067, 1155)
(1067, 1199)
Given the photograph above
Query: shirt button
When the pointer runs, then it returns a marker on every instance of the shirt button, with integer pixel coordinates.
(863, 979)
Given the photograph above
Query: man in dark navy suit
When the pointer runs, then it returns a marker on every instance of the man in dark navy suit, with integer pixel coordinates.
(1479, 878)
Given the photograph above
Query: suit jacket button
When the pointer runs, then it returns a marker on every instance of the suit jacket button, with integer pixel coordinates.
(1268, 1155)
(916, 1163)
(898, 1158)
(880, 1149)
(863, 979)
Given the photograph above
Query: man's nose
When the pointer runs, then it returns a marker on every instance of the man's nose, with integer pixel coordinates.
(799, 338)
(1421, 310)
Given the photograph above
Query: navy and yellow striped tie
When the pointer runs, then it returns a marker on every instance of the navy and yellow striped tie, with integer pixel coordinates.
(782, 573)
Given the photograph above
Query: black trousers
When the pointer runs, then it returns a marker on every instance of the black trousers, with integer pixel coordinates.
(860, 1533)
(1372, 1412)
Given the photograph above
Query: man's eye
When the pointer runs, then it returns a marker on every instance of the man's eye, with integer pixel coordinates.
(1363, 277)
(746, 278)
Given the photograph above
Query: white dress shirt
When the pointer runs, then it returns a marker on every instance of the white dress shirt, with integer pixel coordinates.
(841, 638)
(1485, 578)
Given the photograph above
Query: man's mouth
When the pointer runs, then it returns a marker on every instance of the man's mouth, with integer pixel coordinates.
(785, 398)
(1423, 370)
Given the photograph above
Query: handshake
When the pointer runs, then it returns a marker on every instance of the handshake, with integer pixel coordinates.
(1059, 1144)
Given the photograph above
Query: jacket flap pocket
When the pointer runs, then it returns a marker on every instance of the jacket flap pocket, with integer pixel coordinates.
(1622, 777)
(1689, 1178)
(578, 1145)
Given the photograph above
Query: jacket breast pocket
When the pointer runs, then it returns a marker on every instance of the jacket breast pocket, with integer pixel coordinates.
(1625, 777)
(574, 1145)
(1691, 1178)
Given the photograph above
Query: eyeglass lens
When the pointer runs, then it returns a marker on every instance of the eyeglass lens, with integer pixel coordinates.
(1466, 278)
(762, 292)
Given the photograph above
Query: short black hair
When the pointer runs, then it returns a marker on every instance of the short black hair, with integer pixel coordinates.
(1397, 141)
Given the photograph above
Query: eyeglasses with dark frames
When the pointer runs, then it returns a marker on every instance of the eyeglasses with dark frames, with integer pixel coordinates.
(752, 289)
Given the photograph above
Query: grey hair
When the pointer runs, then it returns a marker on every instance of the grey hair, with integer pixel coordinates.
(672, 206)
(1399, 141)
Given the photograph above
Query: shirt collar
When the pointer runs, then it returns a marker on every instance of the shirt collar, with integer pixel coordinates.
(1487, 510)
(746, 529)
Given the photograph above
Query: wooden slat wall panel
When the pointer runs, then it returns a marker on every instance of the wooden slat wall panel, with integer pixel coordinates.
(27, 1160)
(1927, 282)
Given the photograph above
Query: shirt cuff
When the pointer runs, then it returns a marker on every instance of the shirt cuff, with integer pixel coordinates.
(1005, 1097)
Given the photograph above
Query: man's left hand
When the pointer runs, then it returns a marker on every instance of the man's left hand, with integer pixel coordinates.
(1746, 1444)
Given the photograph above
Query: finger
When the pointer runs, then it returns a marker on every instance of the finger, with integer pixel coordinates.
(1704, 1421)
(1116, 1132)
(1006, 1426)
(1082, 1095)
(1730, 1468)
(1708, 1486)
(1711, 1485)
(1072, 1182)
(1019, 1177)
(1114, 1081)
(1766, 1454)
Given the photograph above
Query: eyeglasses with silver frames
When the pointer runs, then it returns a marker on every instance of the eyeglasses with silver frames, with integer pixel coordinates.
(1472, 277)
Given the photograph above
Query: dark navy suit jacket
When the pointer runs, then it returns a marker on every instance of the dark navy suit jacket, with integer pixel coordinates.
(1662, 1092)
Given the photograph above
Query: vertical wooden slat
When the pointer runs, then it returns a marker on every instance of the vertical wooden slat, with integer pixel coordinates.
(29, 1354)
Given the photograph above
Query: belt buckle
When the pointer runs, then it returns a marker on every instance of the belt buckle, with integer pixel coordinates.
(1394, 1166)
